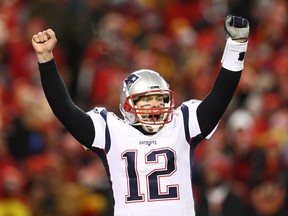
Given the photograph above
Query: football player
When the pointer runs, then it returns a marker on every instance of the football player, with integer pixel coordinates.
(148, 155)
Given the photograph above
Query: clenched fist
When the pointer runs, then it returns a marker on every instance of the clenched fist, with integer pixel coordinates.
(237, 27)
(43, 44)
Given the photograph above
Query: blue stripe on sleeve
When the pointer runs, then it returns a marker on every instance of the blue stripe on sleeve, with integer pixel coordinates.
(104, 114)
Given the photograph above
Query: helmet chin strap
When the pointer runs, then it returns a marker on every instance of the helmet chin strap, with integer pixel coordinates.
(149, 129)
(152, 128)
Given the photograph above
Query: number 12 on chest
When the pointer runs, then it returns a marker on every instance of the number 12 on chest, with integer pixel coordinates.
(154, 192)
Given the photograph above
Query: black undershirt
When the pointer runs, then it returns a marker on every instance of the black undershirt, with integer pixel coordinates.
(80, 125)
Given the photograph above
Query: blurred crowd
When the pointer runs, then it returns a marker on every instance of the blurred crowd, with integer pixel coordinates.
(241, 170)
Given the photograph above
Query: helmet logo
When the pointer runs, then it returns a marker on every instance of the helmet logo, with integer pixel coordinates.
(130, 80)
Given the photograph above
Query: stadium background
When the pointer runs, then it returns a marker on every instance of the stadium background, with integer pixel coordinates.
(43, 171)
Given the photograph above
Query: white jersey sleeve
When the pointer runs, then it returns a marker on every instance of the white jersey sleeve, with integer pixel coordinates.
(98, 116)
(189, 112)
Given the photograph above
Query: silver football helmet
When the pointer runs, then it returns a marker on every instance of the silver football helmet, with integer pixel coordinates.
(142, 83)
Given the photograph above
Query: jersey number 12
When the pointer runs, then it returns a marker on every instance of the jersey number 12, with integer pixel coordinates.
(153, 178)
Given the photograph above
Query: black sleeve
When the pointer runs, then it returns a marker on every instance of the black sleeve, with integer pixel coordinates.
(211, 109)
(76, 121)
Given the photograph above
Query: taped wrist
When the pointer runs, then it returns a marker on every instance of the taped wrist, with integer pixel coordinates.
(234, 55)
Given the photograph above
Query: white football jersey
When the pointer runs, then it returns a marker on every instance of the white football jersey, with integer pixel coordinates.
(150, 174)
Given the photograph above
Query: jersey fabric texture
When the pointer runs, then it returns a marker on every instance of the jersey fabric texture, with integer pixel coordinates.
(149, 172)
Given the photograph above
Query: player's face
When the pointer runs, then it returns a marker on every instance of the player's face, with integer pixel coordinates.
(150, 101)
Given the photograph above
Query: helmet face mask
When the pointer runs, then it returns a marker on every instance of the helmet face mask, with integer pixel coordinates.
(146, 83)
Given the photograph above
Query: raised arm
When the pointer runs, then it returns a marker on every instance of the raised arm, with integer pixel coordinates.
(76, 121)
(214, 105)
